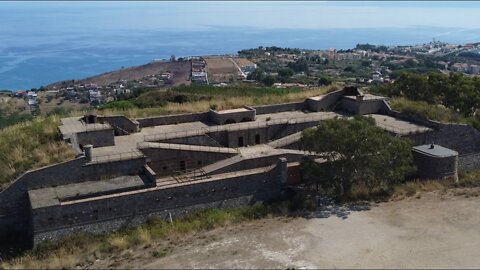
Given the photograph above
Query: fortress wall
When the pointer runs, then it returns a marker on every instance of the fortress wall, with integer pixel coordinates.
(97, 138)
(204, 140)
(469, 162)
(326, 103)
(107, 214)
(14, 200)
(223, 118)
(464, 139)
(168, 161)
(252, 163)
(284, 107)
(362, 108)
(120, 121)
(172, 119)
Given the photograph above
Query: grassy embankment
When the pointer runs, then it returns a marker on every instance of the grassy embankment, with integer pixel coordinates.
(433, 112)
(30, 144)
(200, 98)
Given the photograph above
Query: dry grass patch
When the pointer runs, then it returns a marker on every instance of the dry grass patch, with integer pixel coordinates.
(222, 101)
(30, 145)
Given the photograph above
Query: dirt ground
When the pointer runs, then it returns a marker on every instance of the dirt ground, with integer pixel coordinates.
(432, 231)
(221, 69)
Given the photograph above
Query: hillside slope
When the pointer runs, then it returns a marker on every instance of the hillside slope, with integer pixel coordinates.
(180, 74)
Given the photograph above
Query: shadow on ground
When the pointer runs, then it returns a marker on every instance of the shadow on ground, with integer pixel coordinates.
(327, 207)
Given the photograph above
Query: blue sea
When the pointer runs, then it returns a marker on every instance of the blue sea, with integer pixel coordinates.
(41, 43)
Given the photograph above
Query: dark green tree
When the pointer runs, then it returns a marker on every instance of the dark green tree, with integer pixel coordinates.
(324, 81)
(269, 80)
(356, 152)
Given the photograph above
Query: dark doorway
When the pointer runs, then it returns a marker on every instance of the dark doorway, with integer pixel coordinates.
(183, 165)
(240, 141)
(257, 139)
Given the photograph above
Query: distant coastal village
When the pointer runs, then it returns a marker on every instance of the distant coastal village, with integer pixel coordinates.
(276, 67)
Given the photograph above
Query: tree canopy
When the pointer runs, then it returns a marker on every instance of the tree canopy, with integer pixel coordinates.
(455, 91)
(356, 152)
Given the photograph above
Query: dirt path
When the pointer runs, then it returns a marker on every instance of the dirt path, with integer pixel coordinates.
(435, 231)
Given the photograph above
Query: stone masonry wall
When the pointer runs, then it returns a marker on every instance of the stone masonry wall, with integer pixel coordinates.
(284, 107)
(172, 119)
(122, 122)
(14, 199)
(114, 212)
(97, 138)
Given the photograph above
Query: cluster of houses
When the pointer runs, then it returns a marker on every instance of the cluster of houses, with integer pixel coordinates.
(466, 68)
(199, 70)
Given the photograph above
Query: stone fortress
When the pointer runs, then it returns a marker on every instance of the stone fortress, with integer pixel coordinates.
(128, 171)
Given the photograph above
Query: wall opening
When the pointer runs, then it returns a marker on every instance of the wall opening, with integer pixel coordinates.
(257, 139)
(240, 141)
(183, 165)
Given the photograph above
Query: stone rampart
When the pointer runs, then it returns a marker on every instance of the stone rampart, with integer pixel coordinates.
(325, 102)
(97, 138)
(172, 119)
(120, 123)
(14, 202)
(112, 212)
(284, 107)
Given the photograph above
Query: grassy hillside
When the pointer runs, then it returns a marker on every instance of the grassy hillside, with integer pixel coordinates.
(29, 145)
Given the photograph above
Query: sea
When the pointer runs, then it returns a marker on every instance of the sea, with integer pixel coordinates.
(40, 45)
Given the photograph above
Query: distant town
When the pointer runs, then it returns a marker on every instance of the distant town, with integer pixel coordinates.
(277, 67)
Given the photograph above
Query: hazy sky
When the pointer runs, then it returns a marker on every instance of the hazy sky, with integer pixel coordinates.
(201, 15)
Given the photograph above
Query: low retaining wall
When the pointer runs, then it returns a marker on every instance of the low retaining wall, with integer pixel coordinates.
(284, 107)
(172, 119)
(120, 122)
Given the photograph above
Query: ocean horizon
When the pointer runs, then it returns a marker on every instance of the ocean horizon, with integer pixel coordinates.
(42, 45)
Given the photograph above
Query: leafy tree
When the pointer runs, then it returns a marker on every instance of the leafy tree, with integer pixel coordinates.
(349, 69)
(285, 72)
(269, 80)
(356, 152)
(301, 65)
(258, 75)
(324, 81)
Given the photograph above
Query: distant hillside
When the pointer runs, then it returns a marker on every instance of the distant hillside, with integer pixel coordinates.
(180, 74)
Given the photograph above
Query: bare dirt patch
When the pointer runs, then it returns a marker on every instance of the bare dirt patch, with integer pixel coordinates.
(435, 230)
(221, 69)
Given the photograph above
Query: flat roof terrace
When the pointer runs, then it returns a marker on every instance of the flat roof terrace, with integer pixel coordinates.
(73, 125)
(127, 145)
(50, 196)
(397, 126)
